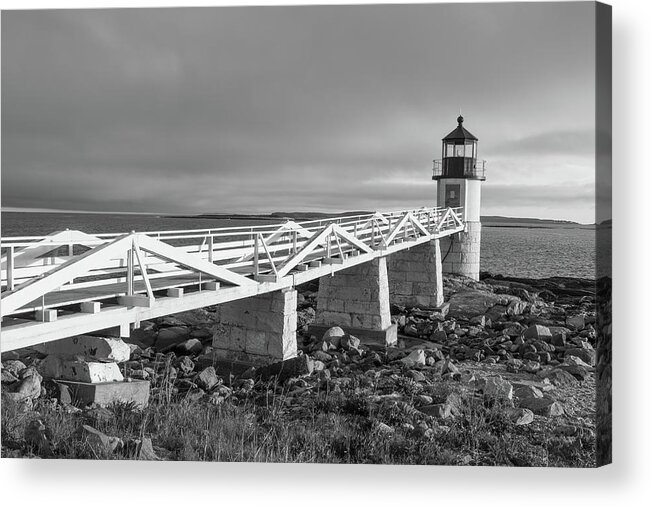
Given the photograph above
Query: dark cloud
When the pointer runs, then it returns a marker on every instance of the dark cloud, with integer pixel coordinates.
(340, 107)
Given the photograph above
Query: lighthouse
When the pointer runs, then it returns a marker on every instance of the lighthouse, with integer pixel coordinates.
(459, 175)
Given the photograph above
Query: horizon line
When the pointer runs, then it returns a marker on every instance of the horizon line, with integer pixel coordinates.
(17, 209)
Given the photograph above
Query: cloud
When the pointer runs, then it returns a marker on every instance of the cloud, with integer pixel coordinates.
(248, 109)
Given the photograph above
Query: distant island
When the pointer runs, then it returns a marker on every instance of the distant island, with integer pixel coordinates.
(487, 221)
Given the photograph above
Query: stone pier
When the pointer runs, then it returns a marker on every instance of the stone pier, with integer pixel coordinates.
(357, 300)
(259, 329)
(415, 276)
(461, 252)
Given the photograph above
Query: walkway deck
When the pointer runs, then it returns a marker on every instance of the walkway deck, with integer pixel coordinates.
(48, 282)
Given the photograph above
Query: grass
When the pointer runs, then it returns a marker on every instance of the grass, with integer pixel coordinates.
(270, 424)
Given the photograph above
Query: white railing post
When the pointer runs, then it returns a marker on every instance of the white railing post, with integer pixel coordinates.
(256, 255)
(10, 268)
(211, 246)
(328, 246)
(130, 271)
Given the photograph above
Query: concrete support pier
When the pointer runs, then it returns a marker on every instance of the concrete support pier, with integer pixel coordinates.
(415, 276)
(463, 256)
(357, 300)
(259, 329)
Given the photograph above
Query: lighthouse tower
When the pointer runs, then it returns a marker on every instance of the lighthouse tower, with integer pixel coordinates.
(459, 175)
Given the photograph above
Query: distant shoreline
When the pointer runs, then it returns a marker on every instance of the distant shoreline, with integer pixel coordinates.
(487, 221)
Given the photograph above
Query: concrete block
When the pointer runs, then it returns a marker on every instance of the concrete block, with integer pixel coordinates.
(175, 292)
(79, 371)
(88, 347)
(106, 393)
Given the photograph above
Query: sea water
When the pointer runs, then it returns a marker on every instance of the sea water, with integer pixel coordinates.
(528, 252)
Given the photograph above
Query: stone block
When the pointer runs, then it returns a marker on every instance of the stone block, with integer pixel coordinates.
(89, 347)
(106, 393)
(79, 371)
(256, 342)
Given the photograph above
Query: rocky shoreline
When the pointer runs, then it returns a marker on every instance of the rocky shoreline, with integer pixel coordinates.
(516, 351)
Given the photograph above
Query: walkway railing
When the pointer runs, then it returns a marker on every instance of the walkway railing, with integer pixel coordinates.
(43, 273)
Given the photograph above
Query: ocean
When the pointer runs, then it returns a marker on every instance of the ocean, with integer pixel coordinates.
(528, 252)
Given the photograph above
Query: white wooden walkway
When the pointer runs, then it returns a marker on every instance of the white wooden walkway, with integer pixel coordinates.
(70, 283)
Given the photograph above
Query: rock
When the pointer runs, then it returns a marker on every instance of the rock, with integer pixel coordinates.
(439, 367)
(479, 320)
(333, 336)
(63, 394)
(527, 391)
(27, 389)
(497, 388)
(520, 416)
(513, 330)
(516, 307)
(471, 303)
(144, 336)
(537, 332)
(576, 321)
(423, 399)
(79, 371)
(514, 365)
(88, 347)
(578, 372)
(191, 346)
(410, 330)
(100, 443)
(450, 367)
(439, 336)
(545, 407)
(185, 365)
(558, 340)
(207, 378)
(417, 376)
(588, 356)
(143, 449)
(575, 361)
(8, 377)
(295, 367)
(415, 358)
(383, 428)
(169, 336)
(558, 377)
(14, 367)
(449, 408)
(349, 342)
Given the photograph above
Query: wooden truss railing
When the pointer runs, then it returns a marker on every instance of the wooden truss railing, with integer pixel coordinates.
(72, 267)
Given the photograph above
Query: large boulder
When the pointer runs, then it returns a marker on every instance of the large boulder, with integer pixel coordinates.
(27, 389)
(546, 407)
(470, 303)
(169, 336)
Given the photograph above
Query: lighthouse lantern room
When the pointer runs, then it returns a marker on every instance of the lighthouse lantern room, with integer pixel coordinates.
(459, 175)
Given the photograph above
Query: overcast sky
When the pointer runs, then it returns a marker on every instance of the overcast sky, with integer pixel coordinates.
(296, 108)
